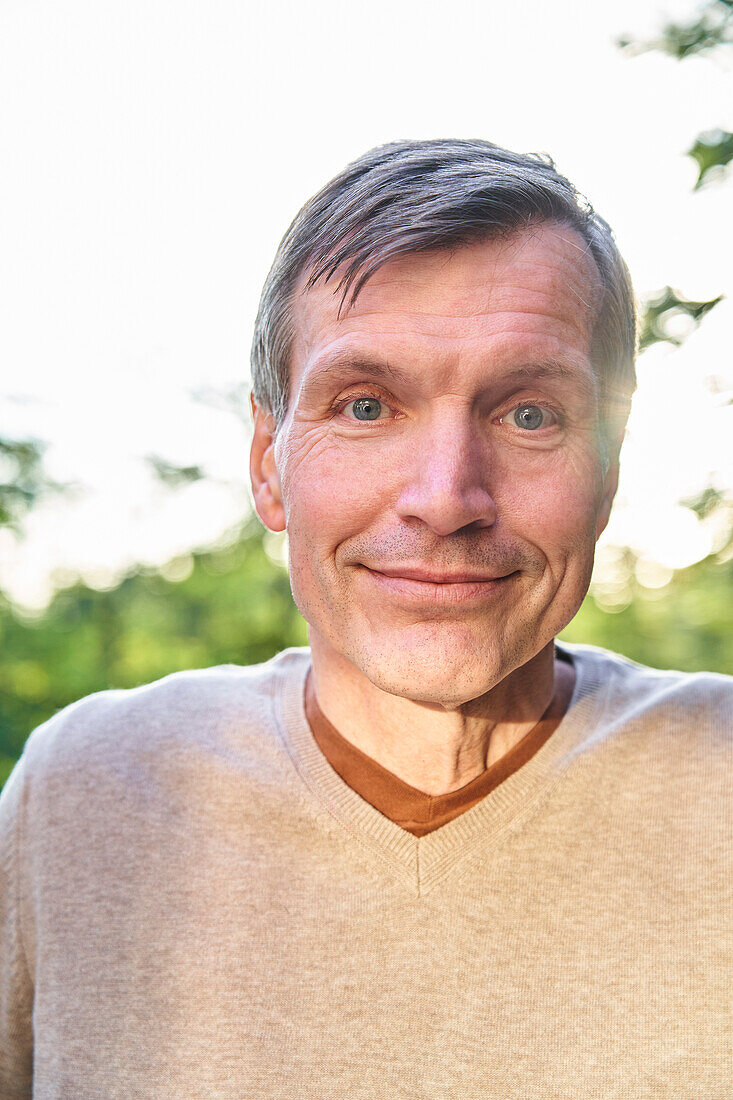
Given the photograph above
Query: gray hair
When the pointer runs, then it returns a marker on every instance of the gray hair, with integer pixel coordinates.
(416, 196)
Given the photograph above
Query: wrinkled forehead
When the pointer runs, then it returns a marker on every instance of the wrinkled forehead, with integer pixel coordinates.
(543, 274)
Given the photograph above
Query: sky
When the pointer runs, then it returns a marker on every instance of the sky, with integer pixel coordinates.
(155, 152)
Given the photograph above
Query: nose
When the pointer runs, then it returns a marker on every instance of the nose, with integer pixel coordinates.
(446, 487)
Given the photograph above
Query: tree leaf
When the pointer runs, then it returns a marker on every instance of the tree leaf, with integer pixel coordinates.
(174, 476)
(659, 314)
(710, 29)
(712, 150)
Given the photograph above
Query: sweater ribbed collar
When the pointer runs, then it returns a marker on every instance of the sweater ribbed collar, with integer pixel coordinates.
(424, 862)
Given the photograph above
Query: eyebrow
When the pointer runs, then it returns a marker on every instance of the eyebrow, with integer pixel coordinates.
(348, 362)
(351, 363)
(550, 367)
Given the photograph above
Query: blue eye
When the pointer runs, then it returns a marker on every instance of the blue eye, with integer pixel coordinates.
(365, 408)
(529, 417)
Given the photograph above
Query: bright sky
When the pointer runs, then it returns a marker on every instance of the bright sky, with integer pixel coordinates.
(154, 153)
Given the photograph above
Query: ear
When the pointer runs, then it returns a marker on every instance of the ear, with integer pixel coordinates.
(610, 485)
(263, 471)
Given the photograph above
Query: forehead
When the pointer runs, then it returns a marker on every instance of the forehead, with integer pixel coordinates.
(538, 289)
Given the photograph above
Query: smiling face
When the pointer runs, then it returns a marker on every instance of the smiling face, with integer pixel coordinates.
(437, 469)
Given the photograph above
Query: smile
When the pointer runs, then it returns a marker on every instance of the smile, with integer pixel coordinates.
(430, 587)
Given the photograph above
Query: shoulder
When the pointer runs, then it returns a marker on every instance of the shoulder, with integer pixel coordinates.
(198, 706)
(693, 709)
(637, 680)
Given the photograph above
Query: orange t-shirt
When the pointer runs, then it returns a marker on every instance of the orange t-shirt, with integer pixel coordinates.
(417, 812)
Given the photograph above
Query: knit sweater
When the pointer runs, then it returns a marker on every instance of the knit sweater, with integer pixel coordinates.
(193, 904)
(415, 810)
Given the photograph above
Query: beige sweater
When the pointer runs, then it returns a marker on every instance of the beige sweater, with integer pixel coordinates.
(194, 905)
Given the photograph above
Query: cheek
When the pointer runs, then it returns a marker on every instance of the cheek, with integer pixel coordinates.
(330, 497)
(328, 502)
(554, 509)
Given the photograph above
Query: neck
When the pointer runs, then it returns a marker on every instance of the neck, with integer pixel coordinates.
(435, 749)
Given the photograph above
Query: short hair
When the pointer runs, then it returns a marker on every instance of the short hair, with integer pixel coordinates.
(418, 196)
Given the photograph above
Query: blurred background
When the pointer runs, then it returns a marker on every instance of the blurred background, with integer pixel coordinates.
(153, 155)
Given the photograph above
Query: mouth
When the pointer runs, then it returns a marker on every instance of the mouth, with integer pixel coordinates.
(435, 587)
(433, 576)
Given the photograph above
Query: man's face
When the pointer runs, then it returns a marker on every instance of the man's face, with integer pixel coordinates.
(437, 470)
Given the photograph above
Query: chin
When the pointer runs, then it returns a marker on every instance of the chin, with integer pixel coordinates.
(439, 673)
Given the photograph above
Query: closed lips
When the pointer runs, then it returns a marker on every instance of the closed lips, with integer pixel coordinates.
(437, 578)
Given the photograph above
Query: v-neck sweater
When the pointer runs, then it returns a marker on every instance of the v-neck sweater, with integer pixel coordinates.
(194, 903)
(412, 809)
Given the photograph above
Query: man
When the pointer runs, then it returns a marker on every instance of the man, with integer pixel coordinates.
(437, 854)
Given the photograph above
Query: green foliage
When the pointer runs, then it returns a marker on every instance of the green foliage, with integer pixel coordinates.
(174, 476)
(669, 316)
(23, 480)
(231, 605)
(709, 29)
(712, 152)
(661, 314)
(707, 502)
(686, 625)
